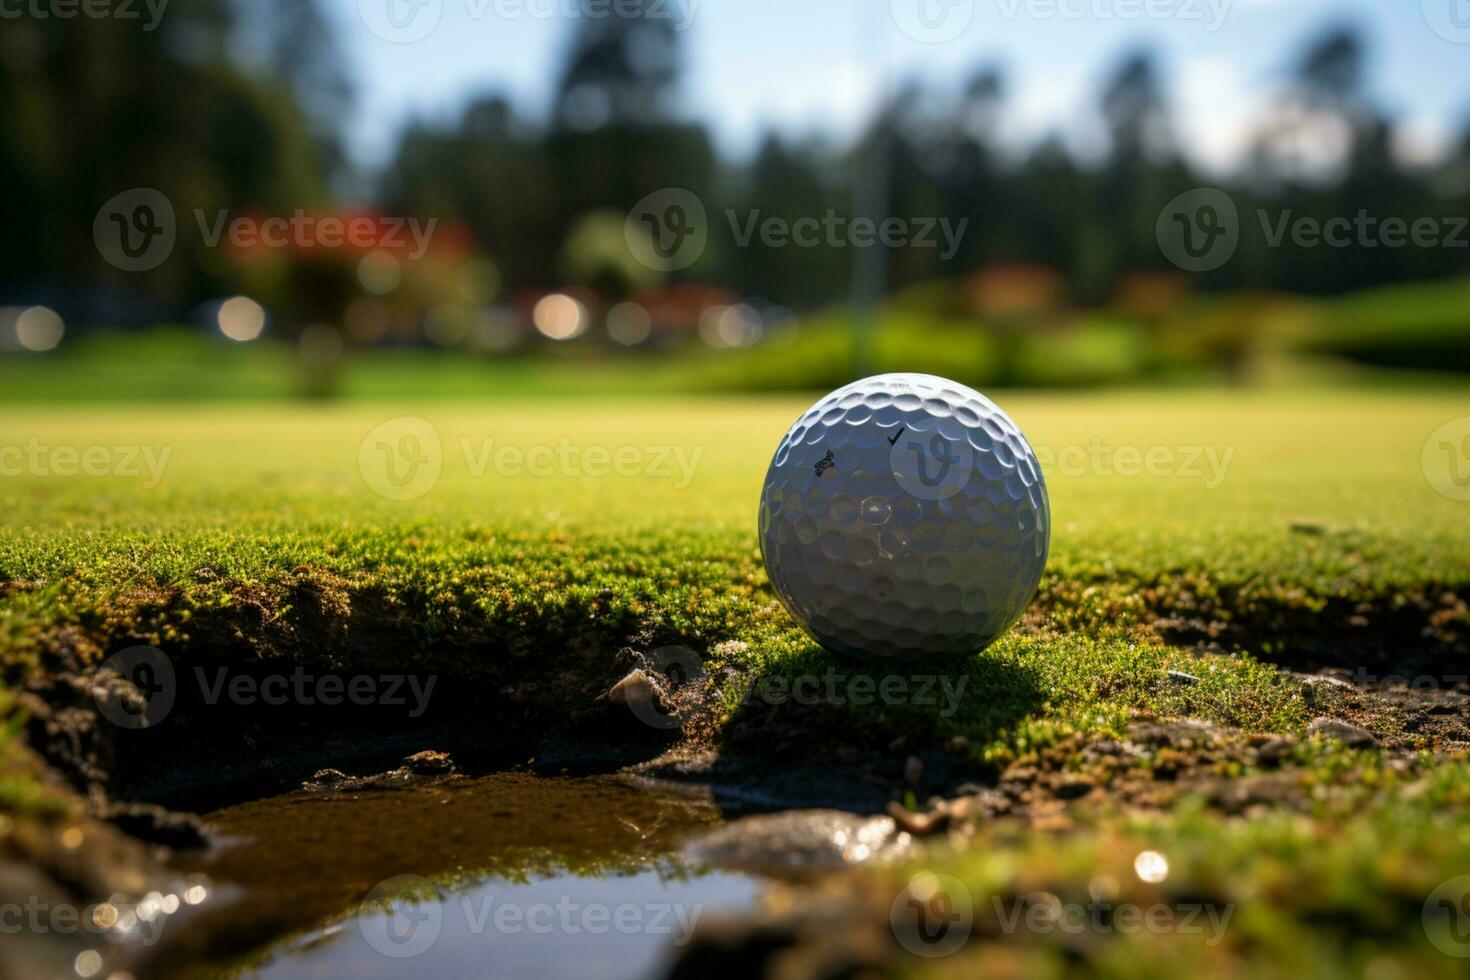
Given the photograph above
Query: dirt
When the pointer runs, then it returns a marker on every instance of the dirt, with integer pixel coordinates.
(126, 789)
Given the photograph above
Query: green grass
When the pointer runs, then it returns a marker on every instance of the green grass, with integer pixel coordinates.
(261, 509)
(1341, 890)
(1420, 326)
(1416, 325)
(190, 365)
(1296, 526)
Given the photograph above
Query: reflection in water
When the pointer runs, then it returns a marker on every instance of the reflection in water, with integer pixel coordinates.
(506, 875)
(564, 926)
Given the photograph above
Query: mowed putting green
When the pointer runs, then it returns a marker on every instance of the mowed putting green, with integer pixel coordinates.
(533, 524)
(1151, 476)
(1208, 549)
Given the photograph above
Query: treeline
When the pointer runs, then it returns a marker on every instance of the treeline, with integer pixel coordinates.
(222, 105)
(526, 187)
(238, 106)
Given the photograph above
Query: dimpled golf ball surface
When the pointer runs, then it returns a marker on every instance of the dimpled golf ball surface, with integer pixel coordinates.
(904, 516)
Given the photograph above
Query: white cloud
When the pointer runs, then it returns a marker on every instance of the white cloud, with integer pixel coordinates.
(1423, 140)
(1215, 111)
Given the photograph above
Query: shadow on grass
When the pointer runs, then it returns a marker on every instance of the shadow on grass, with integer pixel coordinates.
(829, 731)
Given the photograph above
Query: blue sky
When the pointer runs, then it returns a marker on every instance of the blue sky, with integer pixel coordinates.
(816, 65)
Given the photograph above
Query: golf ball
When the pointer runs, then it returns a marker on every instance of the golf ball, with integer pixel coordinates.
(904, 516)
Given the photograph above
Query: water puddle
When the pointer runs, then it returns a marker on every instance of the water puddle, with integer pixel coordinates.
(511, 874)
(623, 926)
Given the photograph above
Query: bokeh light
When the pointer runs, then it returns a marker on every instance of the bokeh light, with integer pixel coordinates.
(629, 324)
(241, 318)
(87, 963)
(379, 273)
(726, 327)
(559, 317)
(39, 328)
(1151, 866)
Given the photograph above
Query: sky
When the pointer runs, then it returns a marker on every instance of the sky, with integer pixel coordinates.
(816, 66)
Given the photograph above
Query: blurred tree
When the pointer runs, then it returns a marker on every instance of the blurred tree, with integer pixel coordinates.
(234, 107)
(1052, 202)
(1140, 174)
(1136, 114)
(617, 128)
(970, 172)
(1317, 118)
(622, 70)
(94, 107)
(897, 155)
(786, 182)
(299, 49)
(490, 172)
(1326, 157)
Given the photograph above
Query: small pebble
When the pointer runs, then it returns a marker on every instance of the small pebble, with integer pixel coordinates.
(636, 688)
(1272, 752)
(1073, 788)
(1344, 732)
(918, 824)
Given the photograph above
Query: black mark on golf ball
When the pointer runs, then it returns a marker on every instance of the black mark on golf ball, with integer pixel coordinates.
(827, 462)
(897, 435)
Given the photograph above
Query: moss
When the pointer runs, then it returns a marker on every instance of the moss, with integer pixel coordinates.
(1191, 594)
